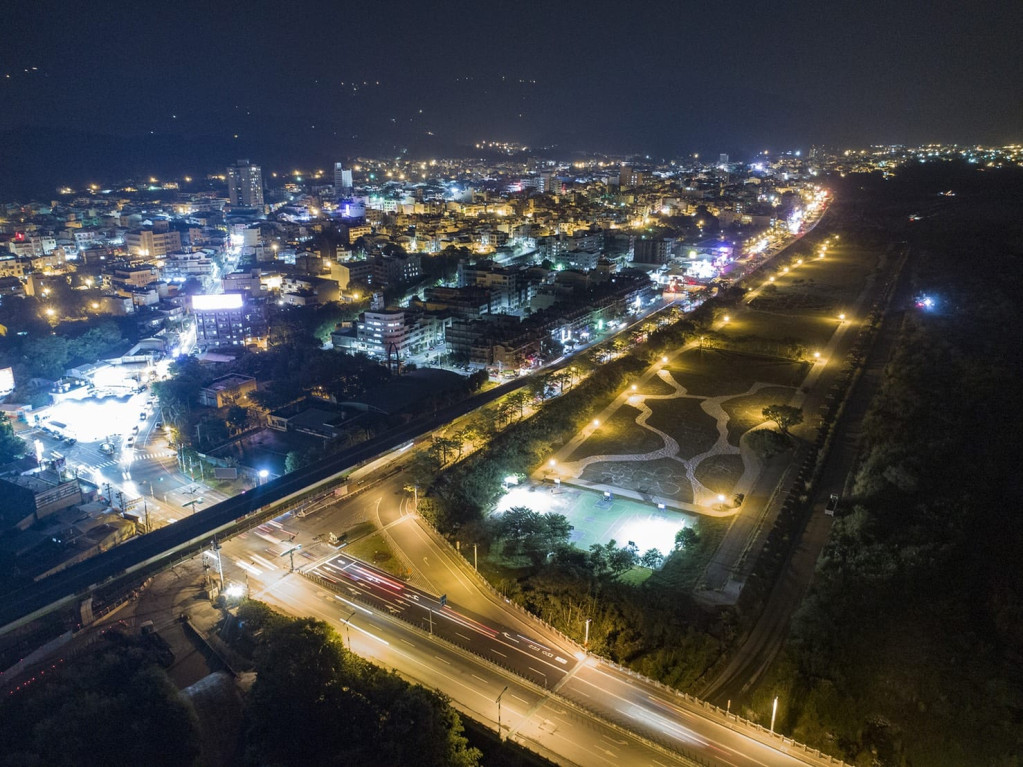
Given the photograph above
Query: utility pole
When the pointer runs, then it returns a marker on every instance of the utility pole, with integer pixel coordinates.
(774, 712)
(145, 507)
(475, 561)
(500, 730)
(586, 641)
(431, 620)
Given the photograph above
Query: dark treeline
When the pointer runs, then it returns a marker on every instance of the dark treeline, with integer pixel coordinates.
(909, 648)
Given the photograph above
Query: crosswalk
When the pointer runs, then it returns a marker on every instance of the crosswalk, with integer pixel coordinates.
(136, 455)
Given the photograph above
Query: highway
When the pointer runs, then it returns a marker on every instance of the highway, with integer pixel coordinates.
(561, 701)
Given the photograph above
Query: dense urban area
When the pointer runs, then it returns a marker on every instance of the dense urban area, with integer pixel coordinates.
(507, 460)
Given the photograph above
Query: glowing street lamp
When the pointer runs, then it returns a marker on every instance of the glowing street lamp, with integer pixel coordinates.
(841, 316)
(727, 318)
(664, 360)
(817, 356)
(596, 423)
(263, 474)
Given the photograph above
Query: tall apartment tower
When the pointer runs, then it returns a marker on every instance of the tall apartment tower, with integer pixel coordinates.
(342, 179)
(245, 184)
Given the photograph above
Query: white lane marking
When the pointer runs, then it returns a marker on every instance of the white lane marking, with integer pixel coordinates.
(442, 660)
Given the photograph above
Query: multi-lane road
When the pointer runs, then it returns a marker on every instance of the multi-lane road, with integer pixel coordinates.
(571, 706)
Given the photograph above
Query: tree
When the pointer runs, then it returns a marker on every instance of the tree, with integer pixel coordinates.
(540, 387)
(519, 399)
(622, 560)
(47, 356)
(651, 558)
(237, 417)
(686, 538)
(423, 467)
(443, 446)
(532, 534)
(785, 416)
(11, 445)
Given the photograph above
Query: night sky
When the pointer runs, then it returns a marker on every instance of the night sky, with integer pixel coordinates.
(308, 81)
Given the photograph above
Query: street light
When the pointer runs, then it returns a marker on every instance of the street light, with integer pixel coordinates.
(263, 474)
(500, 732)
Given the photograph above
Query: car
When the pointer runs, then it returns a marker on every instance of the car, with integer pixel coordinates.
(129, 442)
(158, 424)
(832, 505)
(142, 416)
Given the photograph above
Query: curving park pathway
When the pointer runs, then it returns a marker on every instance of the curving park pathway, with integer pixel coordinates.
(670, 482)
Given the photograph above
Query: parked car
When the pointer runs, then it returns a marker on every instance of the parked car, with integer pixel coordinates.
(832, 505)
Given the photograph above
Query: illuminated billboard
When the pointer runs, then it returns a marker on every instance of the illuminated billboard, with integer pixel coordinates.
(6, 380)
(217, 303)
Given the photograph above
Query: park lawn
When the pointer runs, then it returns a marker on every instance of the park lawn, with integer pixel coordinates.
(619, 435)
(686, 422)
(715, 372)
(811, 328)
(746, 412)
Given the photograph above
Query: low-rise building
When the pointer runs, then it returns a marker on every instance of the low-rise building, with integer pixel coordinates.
(227, 390)
(29, 498)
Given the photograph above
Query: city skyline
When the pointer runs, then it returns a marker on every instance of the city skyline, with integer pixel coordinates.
(327, 83)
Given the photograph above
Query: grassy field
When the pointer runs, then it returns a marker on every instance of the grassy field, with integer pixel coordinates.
(686, 422)
(712, 372)
(620, 434)
(746, 412)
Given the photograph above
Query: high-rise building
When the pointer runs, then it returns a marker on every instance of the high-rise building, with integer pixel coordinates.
(245, 184)
(722, 159)
(342, 179)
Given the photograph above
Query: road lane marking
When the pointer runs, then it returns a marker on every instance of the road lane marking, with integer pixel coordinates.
(498, 652)
(442, 660)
